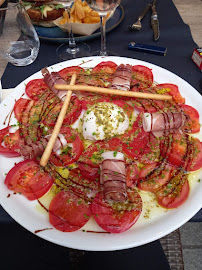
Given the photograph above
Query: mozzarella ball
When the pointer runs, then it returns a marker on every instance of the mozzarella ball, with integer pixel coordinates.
(104, 120)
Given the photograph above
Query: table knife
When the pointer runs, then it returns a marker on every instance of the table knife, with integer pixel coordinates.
(155, 21)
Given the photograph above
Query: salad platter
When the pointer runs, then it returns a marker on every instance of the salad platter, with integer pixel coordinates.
(153, 221)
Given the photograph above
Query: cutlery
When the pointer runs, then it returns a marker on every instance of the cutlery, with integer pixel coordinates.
(155, 21)
(137, 25)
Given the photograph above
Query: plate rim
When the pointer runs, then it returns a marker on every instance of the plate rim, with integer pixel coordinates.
(46, 234)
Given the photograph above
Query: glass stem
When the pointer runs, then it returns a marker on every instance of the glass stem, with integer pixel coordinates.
(72, 43)
(103, 51)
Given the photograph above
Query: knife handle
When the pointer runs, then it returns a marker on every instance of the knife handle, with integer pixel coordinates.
(144, 11)
(153, 8)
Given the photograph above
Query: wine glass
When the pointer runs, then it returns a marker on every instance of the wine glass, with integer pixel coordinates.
(71, 50)
(103, 7)
(17, 34)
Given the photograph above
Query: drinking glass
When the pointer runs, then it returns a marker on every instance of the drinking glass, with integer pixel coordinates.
(19, 40)
(103, 7)
(71, 50)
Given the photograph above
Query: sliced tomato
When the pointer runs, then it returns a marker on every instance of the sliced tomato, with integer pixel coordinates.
(146, 105)
(192, 121)
(11, 143)
(19, 107)
(68, 212)
(125, 106)
(92, 154)
(67, 72)
(83, 183)
(115, 221)
(90, 100)
(71, 155)
(142, 77)
(132, 175)
(29, 179)
(159, 177)
(106, 67)
(36, 88)
(89, 171)
(196, 162)
(171, 89)
(151, 151)
(176, 198)
(147, 169)
(72, 114)
(177, 149)
(135, 142)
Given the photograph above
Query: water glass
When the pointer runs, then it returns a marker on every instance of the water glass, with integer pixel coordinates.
(18, 39)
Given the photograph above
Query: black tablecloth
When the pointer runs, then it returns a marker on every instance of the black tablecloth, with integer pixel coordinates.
(20, 248)
(175, 35)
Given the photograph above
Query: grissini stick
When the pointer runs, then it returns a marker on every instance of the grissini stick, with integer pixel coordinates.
(112, 91)
(56, 130)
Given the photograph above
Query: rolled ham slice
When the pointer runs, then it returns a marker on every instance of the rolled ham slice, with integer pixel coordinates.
(122, 78)
(54, 78)
(160, 122)
(32, 150)
(113, 176)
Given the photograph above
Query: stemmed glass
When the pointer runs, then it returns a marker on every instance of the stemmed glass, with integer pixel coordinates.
(103, 7)
(71, 50)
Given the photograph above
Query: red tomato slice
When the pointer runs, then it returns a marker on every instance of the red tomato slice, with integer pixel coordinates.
(91, 100)
(72, 114)
(19, 107)
(142, 77)
(151, 151)
(173, 200)
(172, 90)
(137, 140)
(192, 123)
(11, 142)
(132, 175)
(68, 212)
(36, 88)
(88, 171)
(67, 72)
(176, 151)
(196, 163)
(106, 67)
(125, 106)
(69, 157)
(27, 178)
(92, 154)
(157, 179)
(113, 221)
(82, 183)
(147, 169)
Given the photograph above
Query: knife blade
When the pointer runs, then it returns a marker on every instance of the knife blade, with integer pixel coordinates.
(155, 21)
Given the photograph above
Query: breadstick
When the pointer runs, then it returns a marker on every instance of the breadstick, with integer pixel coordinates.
(56, 130)
(112, 91)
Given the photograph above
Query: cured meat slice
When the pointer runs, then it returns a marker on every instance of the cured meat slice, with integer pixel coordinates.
(113, 176)
(158, 122)
(122, 78)
(33, 150)
(54, 78)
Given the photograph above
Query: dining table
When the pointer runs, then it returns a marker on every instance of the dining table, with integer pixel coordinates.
(175, 35)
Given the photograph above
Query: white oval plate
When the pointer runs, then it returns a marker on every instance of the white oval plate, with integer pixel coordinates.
(160, 223)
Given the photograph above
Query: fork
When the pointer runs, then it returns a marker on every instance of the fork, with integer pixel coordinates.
(137, 25)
